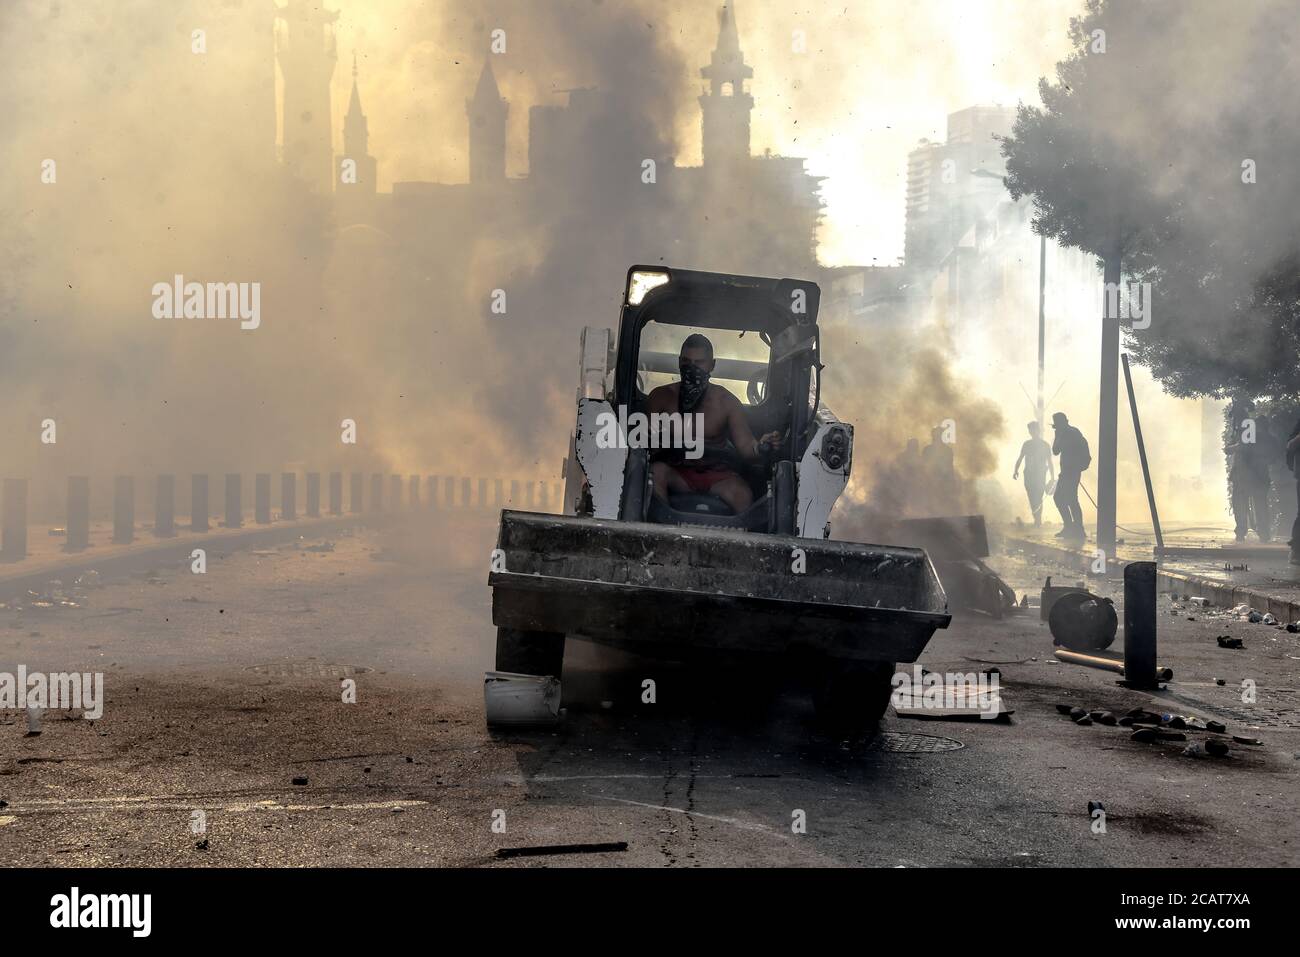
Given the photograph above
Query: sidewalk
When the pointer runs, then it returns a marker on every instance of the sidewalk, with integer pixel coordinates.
(1227, 574)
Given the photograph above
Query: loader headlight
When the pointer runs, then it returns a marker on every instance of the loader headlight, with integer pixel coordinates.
(641, 283)
(835, 449)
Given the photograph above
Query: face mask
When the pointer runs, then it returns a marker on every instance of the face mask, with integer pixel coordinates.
(694, 381)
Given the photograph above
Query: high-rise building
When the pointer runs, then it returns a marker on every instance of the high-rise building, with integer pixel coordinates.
(306, 52)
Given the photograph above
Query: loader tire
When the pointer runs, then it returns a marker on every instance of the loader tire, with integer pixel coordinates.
(530, 652)
(852, 696)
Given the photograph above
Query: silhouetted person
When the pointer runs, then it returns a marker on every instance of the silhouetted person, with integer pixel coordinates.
(1293, 463)
(1037, 456)
(1251, 448)
(1072, 447)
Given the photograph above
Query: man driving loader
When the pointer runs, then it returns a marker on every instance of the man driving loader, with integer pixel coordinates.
(723, 420)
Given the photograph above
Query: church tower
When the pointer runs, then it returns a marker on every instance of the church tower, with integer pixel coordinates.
(305, 48)
(727, 104)
(487, 129)
(356, 143)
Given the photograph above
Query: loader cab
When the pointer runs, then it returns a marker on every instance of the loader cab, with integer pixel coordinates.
(765, 345)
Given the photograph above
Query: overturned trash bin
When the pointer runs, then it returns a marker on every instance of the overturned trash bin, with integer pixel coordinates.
(1082, 621)
(511, 699)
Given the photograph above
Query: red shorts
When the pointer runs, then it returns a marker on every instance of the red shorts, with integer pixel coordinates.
(701, 480)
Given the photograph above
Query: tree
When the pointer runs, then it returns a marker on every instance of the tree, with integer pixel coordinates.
(1166, 147)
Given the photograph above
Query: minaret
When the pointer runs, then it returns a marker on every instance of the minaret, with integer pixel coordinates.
(727, 104)
(487, 129)
(356, 142)
(306, 54)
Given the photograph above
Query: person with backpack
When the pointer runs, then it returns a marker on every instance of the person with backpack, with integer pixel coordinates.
(1072, 447)
(1293, 463)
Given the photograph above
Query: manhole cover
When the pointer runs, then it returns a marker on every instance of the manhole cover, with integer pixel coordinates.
(308, 669)
(910, 743)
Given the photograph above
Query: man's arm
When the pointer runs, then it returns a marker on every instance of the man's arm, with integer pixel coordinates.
(1015, 471)
(742, 437)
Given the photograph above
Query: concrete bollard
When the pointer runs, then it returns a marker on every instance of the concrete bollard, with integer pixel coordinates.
(336, 493)
(234, 507)
(355, 482)
(198, 503)
(376, 492)
(262, 498)
(544, 504)
(515, 500)
(431, 491)
(528, 494)
(448, 491)
(13, 533)
(164, 507)
(313, 493)
(289, 496)
(466, 496)
(498, 493)
(78, 518)
(123, 510)
(413, 496)
(1140, 625)
(482, 493)
(395, 491)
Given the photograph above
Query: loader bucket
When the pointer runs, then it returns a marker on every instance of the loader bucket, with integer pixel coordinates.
(674, 591)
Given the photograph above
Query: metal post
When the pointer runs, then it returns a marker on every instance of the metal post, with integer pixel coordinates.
(123, 510)
(313, 494)
(1042, 324)
(13, 537)
(78, 519)
(1140, 624)
(164, 507)
(234, 508)
(262, 498)
(1108, 410)
(198, 503)
(288, 496)
(1142, 454)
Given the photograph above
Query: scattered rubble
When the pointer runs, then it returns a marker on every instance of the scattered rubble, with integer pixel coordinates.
(1227, 641)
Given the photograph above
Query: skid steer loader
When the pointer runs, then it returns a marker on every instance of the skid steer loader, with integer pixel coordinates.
(685, 577)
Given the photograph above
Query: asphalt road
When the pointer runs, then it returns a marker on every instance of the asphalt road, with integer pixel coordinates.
(224, 688)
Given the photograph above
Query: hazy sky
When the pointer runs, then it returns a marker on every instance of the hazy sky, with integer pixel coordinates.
(877, 77)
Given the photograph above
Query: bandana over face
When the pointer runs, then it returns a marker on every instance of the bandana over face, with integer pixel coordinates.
(694, 381)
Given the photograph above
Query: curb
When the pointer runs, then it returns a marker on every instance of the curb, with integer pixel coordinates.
(1220, 593)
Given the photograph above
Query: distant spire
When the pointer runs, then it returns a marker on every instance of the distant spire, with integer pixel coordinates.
(487, 91)
(728, 34)
(487, 111)
(356, 135)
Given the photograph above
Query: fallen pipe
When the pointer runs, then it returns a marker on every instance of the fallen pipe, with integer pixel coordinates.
(1108, 664)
